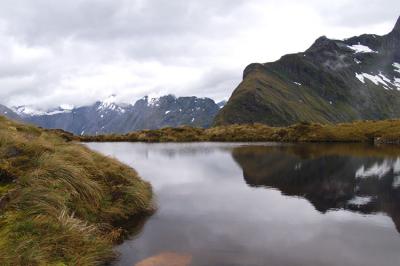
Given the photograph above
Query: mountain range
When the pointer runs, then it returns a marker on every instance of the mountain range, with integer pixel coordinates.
(108, 116)
(333, 81)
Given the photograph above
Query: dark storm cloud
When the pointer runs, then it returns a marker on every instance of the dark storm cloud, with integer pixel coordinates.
(54, 52)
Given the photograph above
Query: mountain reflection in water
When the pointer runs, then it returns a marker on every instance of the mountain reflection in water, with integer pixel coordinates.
(327, 180)
(269, 204)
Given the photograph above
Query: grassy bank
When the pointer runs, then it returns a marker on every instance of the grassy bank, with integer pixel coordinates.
(387, 131)
(61, 203)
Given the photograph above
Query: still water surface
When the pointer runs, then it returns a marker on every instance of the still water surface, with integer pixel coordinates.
(265, 204)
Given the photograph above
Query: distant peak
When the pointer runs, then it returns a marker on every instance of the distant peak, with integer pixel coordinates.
(321, 43)
(111, 104)
(322, 39)
(26, 110)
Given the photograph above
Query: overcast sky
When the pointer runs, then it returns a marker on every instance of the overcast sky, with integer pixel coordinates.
(78, 51)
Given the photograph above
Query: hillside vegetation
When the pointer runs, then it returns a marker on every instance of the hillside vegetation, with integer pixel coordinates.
(387, 131)
(60, 202)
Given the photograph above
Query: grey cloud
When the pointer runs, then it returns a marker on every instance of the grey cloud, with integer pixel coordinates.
(361, 12)
(218, 80)
(54, 52)
(45, 20)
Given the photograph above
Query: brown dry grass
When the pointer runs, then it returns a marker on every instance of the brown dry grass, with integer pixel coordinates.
(60, 202)
(387, 131)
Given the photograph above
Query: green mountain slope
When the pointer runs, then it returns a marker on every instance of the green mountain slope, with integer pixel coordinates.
(333, 81)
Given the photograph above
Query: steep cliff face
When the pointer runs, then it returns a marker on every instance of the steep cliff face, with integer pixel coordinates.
(333, 81)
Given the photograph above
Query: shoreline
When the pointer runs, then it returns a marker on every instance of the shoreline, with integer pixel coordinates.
(377, 132)
(61, 202)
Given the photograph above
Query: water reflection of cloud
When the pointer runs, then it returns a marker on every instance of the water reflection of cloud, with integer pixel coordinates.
(206, 209)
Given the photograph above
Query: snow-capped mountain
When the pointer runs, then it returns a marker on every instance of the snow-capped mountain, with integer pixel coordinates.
(28, 111)
(171, 111)
(110, 105)
(333, 81)
(110, 116)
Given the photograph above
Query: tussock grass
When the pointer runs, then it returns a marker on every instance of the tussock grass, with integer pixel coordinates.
(386, 131)
(60, 202)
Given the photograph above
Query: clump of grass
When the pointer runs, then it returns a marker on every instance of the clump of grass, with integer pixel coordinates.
(60, 202)
(385, 131)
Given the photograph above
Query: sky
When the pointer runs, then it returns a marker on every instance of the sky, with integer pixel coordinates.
(77, 52)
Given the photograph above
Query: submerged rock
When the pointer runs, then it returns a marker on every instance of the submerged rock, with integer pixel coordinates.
(167, 259)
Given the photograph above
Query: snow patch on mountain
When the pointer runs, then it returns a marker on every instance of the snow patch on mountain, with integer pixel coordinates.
(384, 77)
(154, 102)
(360, 77)
(221, 104)
(110, 104)
(396, 67)
(153, 99)
(397, 83)
(359, 48)
(380, 79)
(27, 111)
(56, 112)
